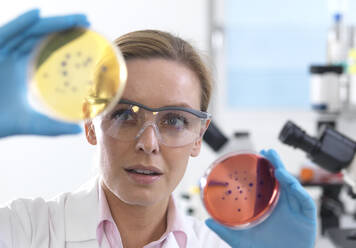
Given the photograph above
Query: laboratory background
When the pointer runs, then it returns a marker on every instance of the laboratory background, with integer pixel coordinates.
(273, 61)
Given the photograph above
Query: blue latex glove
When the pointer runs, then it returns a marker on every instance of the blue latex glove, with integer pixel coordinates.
(292, 224)
(17, 40)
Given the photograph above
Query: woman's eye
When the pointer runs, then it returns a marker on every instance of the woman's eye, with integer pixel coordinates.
(175, 121)
(123, 115)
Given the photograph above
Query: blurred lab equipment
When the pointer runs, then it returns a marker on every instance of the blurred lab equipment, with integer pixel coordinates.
(337, 40)
(76, 74)
(221, 144)
(332, 97)
(335, 153)
(325, 84)
(331, 150)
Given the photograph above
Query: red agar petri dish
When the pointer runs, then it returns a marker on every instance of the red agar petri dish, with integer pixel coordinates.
(239, 190)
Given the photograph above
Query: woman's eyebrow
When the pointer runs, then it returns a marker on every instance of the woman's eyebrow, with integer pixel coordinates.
(184, 105)
(179, 104)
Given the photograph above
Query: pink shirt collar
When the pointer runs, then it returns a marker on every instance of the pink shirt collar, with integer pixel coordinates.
(106, 227)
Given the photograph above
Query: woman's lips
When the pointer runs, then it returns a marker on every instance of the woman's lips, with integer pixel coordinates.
(144, 174)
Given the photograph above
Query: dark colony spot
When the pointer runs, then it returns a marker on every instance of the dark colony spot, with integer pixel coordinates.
(64, 63)
(228, 192)
(259, 195)
(238, 187)
(245, 198)
(64, 73)
(104, 68)
(239, 210)
(261, 182)
(67, 55)
(66, 83)
(223, 198)
(250, 184)
(236, 178)
(241, 191)
(236, 198)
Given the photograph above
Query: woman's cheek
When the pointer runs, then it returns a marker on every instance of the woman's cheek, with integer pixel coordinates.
(177, 162)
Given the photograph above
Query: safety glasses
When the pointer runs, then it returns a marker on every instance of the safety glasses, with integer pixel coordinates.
(174, 126)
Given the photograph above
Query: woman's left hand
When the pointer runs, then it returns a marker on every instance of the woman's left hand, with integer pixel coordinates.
(292, 223)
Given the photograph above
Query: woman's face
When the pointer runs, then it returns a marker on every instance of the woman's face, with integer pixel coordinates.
(154, 83)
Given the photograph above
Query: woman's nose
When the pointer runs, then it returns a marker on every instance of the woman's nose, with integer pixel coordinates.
(147, 140)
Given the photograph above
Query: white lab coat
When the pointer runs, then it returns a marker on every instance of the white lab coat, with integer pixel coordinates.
(70, 221)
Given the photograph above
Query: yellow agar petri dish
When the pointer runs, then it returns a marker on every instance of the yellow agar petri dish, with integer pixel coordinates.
(76, 74)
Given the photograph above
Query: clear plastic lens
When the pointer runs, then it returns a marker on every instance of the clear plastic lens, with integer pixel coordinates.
(239, 190)
(173, 127)
(76, 74)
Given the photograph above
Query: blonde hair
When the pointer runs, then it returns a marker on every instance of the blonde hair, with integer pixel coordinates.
(148, 44)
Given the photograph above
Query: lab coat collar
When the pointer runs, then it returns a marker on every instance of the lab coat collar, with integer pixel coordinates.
(82, 212)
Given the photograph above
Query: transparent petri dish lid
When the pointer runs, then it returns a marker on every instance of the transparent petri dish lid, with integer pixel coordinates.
(239, 190)
(75, 75)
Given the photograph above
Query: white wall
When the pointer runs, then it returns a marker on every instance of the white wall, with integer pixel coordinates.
(116, 17)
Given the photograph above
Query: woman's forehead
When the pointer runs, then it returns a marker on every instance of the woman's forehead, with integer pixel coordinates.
(161, 82)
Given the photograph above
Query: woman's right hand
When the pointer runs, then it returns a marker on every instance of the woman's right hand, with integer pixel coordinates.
(17, 40)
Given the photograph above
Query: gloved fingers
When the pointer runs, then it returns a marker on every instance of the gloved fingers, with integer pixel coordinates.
(18, 25)
(27, 47)
(273, 157)
(13, 43)
(43, 125)
(306, 203)
(285, 178)
(46, 26)
(298, 198)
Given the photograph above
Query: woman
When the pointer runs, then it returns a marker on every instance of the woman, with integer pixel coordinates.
(143, 156)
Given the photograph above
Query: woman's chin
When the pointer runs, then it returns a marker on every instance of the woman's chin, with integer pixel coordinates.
(140, 201)
(142, 198)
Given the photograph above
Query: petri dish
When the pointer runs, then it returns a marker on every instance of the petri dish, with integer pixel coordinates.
(239, 190)
(75, 75)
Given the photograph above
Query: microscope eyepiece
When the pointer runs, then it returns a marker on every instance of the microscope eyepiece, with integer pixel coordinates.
(294, 136)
